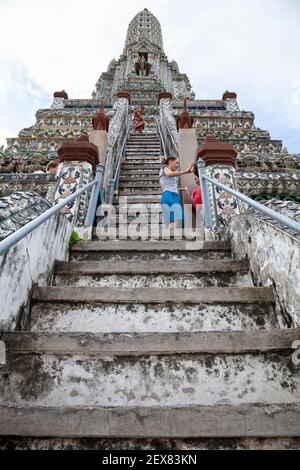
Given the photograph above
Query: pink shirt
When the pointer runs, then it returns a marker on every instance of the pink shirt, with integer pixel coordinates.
(196, 198)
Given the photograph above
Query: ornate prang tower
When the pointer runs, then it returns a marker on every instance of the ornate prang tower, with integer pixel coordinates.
(143, 69)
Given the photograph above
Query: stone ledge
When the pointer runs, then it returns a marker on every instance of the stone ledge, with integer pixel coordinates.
(222, 295)
(141, 344)
(143, 267)
(256, 420)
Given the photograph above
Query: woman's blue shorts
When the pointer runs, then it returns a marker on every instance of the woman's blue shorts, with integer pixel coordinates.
(171, 207)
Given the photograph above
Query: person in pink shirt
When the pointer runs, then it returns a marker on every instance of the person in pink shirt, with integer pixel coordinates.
(196, 197)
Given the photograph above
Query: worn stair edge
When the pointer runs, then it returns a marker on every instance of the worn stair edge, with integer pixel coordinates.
(144, 267)
(255, 420)
(129, 245)
(220, 295)
(144, 344)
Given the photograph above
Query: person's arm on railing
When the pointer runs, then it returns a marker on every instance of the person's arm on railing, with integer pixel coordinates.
(171, 173)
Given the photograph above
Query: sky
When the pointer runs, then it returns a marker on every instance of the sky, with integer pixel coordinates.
(250, 47)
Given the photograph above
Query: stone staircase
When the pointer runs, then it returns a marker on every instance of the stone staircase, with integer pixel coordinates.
(139, 179)
(150, 344)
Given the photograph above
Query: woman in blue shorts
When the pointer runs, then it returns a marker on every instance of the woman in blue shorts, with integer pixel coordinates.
(172, 209)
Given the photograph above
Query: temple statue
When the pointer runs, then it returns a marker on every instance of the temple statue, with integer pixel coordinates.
(142, 66)
(138, 122)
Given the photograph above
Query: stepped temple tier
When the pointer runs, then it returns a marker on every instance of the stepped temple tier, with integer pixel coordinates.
(118, 329)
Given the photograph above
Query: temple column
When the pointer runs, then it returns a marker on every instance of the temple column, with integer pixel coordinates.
(187, 147)
(77, 167)
(220, 165)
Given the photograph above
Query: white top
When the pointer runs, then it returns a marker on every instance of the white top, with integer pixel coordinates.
(168, 183)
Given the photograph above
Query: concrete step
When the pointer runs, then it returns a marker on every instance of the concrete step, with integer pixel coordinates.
(150, 163)
(143, 156)
(143, 231)
(140, 212)
(159, 274)
(84, 373)
(142, 267)
(126, 183)
(146, 153)
(150, 344)
(142, 175)
(202, 443)
(142, 148)
(132, 281)
(145, 144)
(219, 295)
(140, 180)
(138, 318)
(137, 165)
(132, 191)
(220, 421)
(132, 217)
(137, 208)
(152, 251)
(138, 172)
(143, 138)
(175, 246)
(140, 198)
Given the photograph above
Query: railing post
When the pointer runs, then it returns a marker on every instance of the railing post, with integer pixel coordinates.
(2, 353)
(89, 220)
(205, 195)
(111, 190)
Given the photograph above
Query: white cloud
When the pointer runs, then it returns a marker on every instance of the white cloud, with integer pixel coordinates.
(247, 47)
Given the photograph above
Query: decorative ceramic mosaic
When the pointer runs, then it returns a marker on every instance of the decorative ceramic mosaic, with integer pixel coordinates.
(18, 209)
(72, 176)
(223, 205)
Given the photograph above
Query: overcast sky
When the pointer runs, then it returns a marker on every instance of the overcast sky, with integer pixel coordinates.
(250, 47)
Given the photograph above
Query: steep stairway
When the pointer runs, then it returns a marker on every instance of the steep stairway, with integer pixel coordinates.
(140, 170)
(133, 342)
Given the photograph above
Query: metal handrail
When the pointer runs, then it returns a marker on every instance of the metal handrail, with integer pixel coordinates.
(22, 232)
(90, 216)
(161, 140)
(122, 153)
(114, 182)
(282, 219)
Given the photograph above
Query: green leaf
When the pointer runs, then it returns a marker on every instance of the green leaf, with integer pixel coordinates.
(74, 238)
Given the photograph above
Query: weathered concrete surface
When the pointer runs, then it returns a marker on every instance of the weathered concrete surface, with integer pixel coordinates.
(30, 262)
(159, 245)
(219, 421)
(222, 295)
(274, 257)
(139, 344)
(106, 318)
(221, 443)
(164, 380)
(152, 256)
(142, 267)
(179, 281)
(159, 274)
